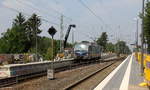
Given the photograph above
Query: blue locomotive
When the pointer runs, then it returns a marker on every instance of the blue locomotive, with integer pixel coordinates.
(87, 50)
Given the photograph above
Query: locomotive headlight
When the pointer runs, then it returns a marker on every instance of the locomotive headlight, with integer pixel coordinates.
(83, 46)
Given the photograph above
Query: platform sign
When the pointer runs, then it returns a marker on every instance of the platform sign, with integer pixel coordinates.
(50, 74)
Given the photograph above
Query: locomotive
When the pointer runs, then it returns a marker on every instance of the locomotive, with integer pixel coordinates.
(86, 50)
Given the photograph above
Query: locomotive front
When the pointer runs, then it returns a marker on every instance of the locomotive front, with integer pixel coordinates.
(81, 51)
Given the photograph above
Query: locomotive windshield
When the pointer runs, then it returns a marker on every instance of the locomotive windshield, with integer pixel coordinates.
(80, 47)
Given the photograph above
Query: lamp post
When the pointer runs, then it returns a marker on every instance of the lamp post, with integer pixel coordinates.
(36, 37)
(137, 33)
(136, 36)
(36, 41)
(50, 72)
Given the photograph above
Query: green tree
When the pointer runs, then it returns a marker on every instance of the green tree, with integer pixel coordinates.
(43, 45)
(46, 48)
(33, 24)
(48, 54)
(110, 47)
(102, 40)
(4, 46)
(147, 25)
(15, 39)
(19, 20)
(121, 48)
(21, 38)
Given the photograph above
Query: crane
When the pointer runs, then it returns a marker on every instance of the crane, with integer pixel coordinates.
(67, 34)
(62, 54)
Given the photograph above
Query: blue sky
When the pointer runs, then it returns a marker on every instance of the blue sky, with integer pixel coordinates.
(118, 16)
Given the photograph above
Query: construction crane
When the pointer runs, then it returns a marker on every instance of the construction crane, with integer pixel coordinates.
(67, 34)
(62, 54)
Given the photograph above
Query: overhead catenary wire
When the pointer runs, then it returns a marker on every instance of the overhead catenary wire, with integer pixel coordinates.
(70, 19)
(94, 39)
(44, 10)
(15, 10)
(86, 6)
(62, 14)
(35, 8)
(92, 12)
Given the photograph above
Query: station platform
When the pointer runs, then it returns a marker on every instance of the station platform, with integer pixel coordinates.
(125, 77)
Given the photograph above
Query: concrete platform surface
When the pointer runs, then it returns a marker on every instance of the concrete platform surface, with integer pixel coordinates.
(125, 77)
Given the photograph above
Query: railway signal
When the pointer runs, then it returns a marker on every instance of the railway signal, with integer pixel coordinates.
(52, 31)
(50, 72)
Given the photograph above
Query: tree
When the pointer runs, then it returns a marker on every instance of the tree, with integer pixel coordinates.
(4, 46)
(21, 37)
(19, 20)
(15, 39)
(43, 45)
(110, 47)
(122, 48)
(33, 24)
(102, 40)
(48, 54)
(147, 25)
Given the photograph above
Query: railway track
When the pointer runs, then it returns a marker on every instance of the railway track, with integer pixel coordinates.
(14, 80)
(69, 87)
(17, 79)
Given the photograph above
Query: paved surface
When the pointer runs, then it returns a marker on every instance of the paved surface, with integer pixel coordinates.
(125, 77)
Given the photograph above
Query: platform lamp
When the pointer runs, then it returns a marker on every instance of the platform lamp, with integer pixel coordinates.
(50, 72)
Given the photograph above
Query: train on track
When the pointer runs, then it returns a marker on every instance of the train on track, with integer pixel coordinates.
(87, 51)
